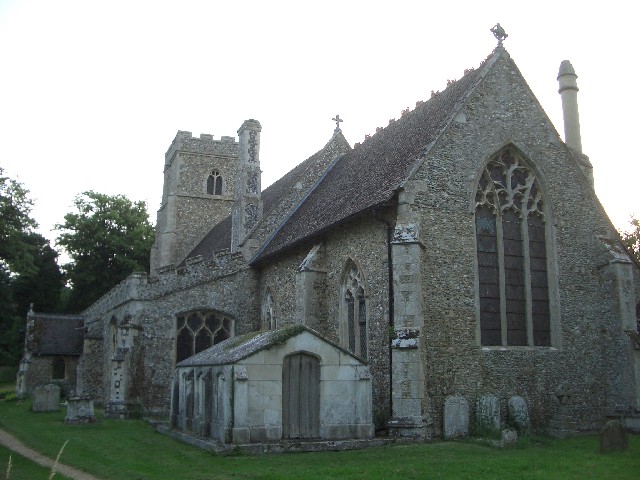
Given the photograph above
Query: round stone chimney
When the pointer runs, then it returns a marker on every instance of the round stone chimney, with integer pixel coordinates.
(569, 93)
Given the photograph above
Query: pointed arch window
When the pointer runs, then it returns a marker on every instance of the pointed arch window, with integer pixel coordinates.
(199, 330)
(354, 327)
(214, 183)
(512, 254)
(269, 320)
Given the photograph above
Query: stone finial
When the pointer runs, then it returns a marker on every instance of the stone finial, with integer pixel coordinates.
(499, 33)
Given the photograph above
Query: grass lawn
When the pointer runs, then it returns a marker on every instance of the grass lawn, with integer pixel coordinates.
(21, 468)
(131, 450)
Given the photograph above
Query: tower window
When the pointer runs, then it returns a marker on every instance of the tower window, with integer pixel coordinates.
(214, 183)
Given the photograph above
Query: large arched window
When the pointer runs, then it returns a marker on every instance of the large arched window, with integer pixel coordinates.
(512, 254)
(197, 331)
(354, 328)
(214, 183)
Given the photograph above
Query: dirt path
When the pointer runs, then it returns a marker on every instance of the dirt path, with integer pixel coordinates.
(12, 443)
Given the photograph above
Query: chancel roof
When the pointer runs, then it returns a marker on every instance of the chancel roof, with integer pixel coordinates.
(364, 178)
(369, 175)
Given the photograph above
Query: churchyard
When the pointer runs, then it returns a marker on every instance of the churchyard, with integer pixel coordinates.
(131, 450)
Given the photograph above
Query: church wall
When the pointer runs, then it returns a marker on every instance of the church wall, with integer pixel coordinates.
(90, 369)
(151, 305)
(40, 372)
(196, 211)
(502, 111)
(365, 242)
(187, 212)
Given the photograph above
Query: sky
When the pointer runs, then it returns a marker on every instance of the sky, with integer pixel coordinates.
(93, 92)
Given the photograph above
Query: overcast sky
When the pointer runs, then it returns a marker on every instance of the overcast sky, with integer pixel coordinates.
(93, 92)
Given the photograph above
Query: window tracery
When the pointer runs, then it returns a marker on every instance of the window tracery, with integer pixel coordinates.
(355, 327)
(199, 330)
(512, 254)
(214, 183)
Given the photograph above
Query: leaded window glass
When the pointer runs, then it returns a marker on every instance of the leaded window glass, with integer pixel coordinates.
(355, 329)
(512, 254)
(214, 183)
(199, 330)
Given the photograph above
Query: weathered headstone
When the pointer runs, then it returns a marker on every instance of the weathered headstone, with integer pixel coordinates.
(46, 398)
(456, 417)
(80, 410)
(519, 414)
(613, 437)
(488, 413)
(509, 438)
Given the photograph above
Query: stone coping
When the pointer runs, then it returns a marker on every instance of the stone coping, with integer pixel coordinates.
(290, 446)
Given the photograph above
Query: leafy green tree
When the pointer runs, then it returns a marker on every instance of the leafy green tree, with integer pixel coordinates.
(15, 209)
(44, 285)
(28, 268)
(631, 237)
(107, 238)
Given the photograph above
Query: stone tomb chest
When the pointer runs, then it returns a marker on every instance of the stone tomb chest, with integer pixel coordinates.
(282, 384)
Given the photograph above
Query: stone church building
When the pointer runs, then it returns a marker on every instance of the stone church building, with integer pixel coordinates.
(458, 252)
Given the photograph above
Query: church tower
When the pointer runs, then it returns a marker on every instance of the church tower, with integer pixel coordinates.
(199, 189)
(247, 208)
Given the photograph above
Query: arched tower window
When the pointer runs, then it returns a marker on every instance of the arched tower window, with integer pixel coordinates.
(214, 183)
(199, 330)
(269, 320)
(512, 254)
(354, 328)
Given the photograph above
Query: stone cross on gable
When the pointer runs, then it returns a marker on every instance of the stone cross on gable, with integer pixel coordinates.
(337, 119)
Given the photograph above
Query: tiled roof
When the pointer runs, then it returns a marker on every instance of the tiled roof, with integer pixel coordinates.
(57, 334)
(370, 174)
(363, 178)
(237, 348)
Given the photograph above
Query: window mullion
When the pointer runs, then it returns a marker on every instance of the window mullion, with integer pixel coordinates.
(501, 278)
(527, 275)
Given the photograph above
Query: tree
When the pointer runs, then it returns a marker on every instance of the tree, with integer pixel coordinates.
(15, 208)
(44, 285)
(631, 237)
(28, 268)
(107, 238)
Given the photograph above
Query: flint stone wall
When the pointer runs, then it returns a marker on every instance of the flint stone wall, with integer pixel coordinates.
(151, 304)
(363, 241)
(454, 360)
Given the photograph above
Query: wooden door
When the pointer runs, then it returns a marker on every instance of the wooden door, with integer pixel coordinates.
(301, 396)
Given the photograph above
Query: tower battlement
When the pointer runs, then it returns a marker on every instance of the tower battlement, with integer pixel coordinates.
(205, 144)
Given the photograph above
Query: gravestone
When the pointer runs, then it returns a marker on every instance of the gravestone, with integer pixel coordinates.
(46, 398)
(456, 417)
(562, 425)
(613, 437)
(509, 438)
(519, 414)
(488, 413)
(80, 410)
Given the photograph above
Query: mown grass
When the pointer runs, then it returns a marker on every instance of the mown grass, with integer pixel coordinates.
(22, 469)
(130, 449)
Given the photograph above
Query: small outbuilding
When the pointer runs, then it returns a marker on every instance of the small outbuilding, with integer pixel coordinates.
(289, 383)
